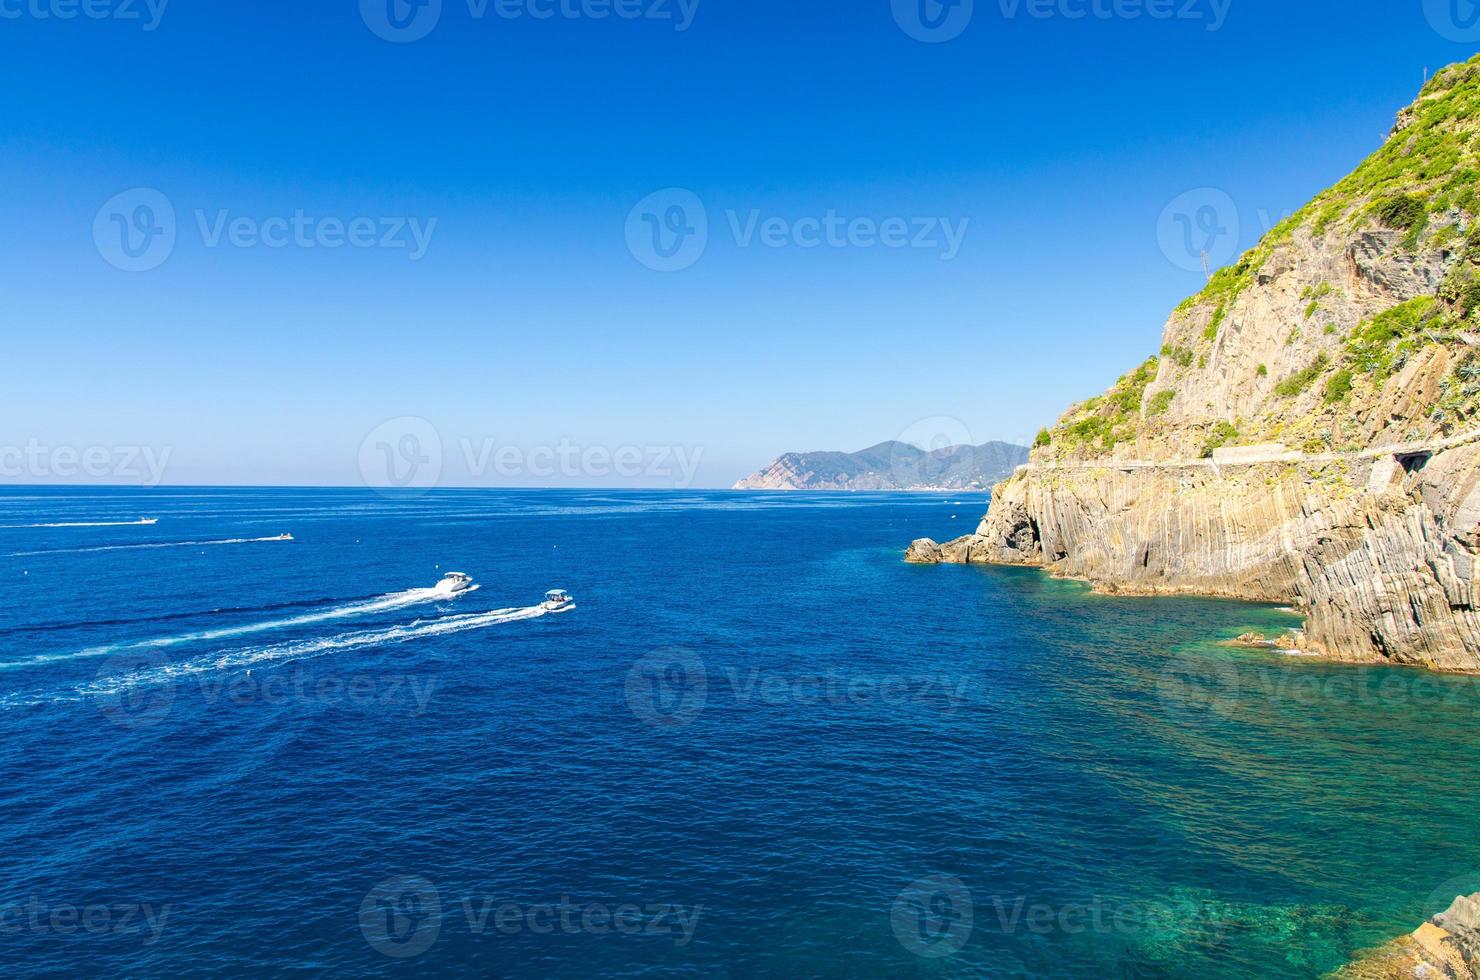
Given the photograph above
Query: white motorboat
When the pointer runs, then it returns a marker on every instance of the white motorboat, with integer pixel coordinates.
(557, 600)
(455, 583)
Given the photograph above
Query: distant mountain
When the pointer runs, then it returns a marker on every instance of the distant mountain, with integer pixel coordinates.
(891, 466)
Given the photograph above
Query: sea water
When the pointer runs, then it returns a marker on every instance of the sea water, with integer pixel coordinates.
(760, 745)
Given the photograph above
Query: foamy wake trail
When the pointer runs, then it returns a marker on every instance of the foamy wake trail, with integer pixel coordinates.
(139, 523)
(387, 603)
(155, 544)
(293, 650)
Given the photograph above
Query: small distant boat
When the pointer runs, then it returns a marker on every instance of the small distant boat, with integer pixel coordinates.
(455, 583)
(557, 600)
(148, 520)
(280, 537)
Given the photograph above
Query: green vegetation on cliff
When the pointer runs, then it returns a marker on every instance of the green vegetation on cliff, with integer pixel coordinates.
(1356, 319)
(1431, 164)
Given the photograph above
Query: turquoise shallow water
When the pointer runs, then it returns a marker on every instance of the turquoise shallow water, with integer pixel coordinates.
(761, 745)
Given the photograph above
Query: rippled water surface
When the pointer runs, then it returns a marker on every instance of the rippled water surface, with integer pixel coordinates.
(759, 745)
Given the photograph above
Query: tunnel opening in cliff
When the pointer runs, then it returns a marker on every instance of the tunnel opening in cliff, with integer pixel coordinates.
(1413, 462)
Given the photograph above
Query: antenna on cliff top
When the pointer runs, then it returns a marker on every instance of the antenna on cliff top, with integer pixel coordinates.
(1207, 269)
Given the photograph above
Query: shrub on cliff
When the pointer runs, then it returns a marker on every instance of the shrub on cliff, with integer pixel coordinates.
(1301, 380)
(1402, 211)
(1223, 433)
(1339, 386)
(1377, 345)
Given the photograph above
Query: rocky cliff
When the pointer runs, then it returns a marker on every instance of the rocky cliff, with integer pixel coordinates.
(891, 466)
(1308, 432)
(1448, 946)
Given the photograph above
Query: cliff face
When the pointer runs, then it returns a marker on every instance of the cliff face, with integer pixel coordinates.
(1377, 552)
(1308, 433)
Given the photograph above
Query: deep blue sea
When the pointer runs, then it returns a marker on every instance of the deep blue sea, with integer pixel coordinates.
(760, 745)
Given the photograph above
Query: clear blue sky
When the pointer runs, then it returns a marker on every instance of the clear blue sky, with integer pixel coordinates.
(529, 321)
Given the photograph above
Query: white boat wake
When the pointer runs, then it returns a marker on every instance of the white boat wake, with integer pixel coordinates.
(142, 522)
(298, 649)
(143, 670)
(386, 603)
(154, 544)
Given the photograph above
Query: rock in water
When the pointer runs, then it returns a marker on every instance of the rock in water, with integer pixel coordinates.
(923, 552)
(1447, 946)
